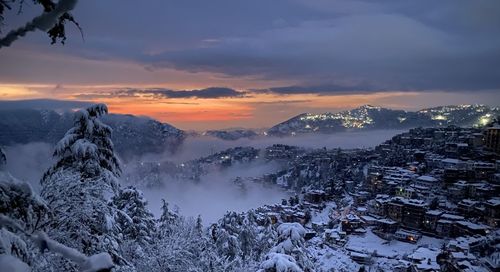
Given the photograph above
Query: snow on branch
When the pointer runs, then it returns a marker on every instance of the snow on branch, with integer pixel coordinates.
(43, 22)
(95, 263)
(280, 263)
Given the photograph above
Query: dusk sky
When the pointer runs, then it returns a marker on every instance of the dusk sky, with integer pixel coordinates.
(229, 63)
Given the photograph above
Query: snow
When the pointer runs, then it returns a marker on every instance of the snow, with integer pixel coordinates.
(93, 263)
(323, 217)
(427, 179)
(97, 263)
(370, 243)
(12, 264)
(330, 259)
(280, 263)
(294, 231)
(83, 148)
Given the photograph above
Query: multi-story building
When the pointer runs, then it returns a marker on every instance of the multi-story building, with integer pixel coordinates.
(492, 138)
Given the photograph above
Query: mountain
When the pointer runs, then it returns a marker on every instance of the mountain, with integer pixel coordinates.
(231, 135)
(131, 134)
(371, 117)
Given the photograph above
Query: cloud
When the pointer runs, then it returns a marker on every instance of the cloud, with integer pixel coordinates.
(345, 46)
(328, 89)
(207, 93)
(379, 49)
(44, 104)
(212, 92)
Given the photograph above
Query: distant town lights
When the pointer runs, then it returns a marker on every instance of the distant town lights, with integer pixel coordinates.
(484, 120)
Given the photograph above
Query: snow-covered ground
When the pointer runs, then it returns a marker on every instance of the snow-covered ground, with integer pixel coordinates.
(328, 258)
(372, 244)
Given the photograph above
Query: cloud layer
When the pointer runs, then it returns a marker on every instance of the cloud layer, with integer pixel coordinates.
(335, 46)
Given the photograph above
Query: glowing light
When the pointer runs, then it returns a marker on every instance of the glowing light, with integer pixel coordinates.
(439, 117)
(484, 120)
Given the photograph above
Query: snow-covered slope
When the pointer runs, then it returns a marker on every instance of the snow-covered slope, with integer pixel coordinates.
(131, 134)
(370, 117)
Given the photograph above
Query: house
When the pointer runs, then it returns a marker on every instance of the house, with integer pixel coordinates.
(467, 244)
(406, 192)
(467, 207)
(315, 196)
(385, 228)
(413, 214)
(407, 236)
(444, 227)
(361, 197)
(493, 261)
(430, 220)
(351, 223)
(458, 190)
(427, 181)
(378, 206)
(395, 210)
(424, 259)
(483, 170)
(492, 212)
(492, 138)
(361, 258)
(334, 237)
(450, 163)
(464, 228)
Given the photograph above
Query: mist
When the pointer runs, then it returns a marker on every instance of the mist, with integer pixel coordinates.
(215, 193)
(200, 146)
(28, 162)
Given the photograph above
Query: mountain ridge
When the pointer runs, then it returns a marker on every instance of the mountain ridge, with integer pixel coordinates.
(131, 134)
(374, 117)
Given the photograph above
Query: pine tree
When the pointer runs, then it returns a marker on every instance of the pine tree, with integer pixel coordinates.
(80, 186)
(168, 219)
(182, 248)
(22, 212)
(136, 221)
(290, 243)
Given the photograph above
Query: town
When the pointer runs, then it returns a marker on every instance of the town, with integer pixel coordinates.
(425, 200)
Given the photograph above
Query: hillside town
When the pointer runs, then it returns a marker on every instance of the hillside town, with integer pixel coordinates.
(425, 200)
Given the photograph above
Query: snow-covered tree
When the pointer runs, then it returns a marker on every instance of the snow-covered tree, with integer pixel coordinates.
(136, 221)
(87, 147)
(290, 243)
(22, 212)
(182, 248)
(278, 262)
(168, 219)
(79, 189)
(241, 241)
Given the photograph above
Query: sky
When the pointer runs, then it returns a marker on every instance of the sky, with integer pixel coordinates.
(201, 64)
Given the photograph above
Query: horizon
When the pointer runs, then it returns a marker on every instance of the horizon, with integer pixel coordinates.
(268, 136)
(61, 106)
(253, 64)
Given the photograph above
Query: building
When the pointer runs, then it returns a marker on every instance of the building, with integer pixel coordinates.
(492, 212)
(407, 236)
(395, 210)
(430, 220)
(492, 138)
(414, 211)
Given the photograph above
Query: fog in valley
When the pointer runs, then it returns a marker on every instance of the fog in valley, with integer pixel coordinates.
(215, 193)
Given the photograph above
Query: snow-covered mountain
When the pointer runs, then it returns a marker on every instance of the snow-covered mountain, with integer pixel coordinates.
(371, 117)
(231, 135)
(131, 134)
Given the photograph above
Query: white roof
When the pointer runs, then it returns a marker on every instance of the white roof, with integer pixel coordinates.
(427, 179)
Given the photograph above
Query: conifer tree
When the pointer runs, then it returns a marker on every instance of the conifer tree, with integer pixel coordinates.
(79, 188)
